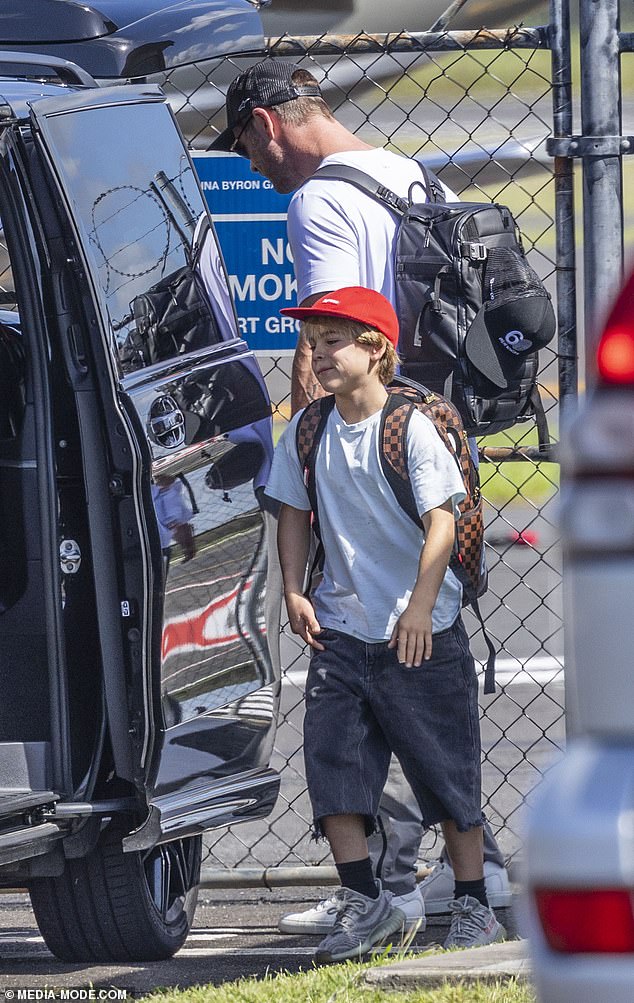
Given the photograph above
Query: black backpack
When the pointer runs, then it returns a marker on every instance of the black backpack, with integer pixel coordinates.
(468, 560)
(172, 317)
(472, 312)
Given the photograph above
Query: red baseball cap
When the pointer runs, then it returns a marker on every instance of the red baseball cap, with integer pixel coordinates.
(354, 303)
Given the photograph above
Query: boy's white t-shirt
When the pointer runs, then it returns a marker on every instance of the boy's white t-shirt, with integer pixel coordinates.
(340, 236)
(372, 548)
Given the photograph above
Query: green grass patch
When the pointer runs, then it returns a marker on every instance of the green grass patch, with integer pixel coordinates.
(535, 482)
(342, 984)
(477, 73)
(525, 73)
(504, 483)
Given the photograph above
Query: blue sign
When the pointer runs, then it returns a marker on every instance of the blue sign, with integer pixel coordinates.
(250, 219)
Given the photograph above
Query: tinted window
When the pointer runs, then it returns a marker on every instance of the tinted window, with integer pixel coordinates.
(135, 194)
(7, 294)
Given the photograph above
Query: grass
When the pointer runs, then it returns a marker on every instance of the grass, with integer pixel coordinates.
(529, 482)
(343, 984)
(486, 71)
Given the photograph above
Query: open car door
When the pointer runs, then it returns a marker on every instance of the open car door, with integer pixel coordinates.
(174, 429)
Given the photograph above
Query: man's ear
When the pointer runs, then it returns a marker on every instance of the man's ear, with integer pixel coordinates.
(265, 122)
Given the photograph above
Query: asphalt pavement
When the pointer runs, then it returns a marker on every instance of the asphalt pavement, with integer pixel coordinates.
(234, 935)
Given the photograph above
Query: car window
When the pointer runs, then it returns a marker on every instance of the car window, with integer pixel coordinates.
(154, 254)
(7, 293)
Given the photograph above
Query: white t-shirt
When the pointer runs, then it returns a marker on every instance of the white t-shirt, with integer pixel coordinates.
(212, 272)
(340, 236)
(372, 548)
(172, 507)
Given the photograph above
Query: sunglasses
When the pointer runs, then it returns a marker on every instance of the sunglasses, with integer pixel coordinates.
(236, 146)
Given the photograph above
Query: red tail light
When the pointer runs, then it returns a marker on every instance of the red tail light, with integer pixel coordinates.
(615, 355)
(587, 921)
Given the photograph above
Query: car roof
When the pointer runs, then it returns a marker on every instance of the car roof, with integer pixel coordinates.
(129, 38)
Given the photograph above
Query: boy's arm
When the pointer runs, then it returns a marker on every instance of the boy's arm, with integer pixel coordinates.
(412, 634)
(293, 542)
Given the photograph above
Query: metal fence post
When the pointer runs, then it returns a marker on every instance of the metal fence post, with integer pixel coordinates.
(601, 150)
(567, 350)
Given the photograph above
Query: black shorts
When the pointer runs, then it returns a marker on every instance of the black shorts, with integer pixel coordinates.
(362, 705)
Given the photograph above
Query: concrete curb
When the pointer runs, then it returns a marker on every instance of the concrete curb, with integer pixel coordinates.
(486, 964)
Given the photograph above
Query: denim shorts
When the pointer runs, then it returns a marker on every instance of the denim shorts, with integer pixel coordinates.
(362, 705)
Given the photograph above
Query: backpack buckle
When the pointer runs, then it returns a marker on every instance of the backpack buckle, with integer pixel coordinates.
(392, 199)
(474, 251)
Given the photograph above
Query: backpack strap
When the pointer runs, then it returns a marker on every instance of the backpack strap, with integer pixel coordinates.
(397, 413)
(433, 188)
(190, 493)
(308, 433)
(365, 183)
(434, 191)
(395, 419)
(543, 435)
(489, 672)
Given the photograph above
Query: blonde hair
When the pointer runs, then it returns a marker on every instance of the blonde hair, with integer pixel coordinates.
(300, 110)
(356, 331)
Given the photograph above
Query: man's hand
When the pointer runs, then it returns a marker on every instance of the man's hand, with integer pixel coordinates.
(305, 387)
(302, 619)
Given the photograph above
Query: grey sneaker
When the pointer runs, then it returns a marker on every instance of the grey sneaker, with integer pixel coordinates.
(361, 923)
(321, 918)
(472, 924)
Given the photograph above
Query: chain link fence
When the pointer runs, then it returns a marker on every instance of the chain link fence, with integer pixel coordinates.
(477, 107)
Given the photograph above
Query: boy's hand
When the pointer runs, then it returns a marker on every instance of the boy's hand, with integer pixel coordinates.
(302, 619)
(412, 632)
(412, 637)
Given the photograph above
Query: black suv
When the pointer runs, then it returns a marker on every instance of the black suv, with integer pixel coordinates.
(138, 615)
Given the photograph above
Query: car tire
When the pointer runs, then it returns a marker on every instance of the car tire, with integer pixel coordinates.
(116, 906)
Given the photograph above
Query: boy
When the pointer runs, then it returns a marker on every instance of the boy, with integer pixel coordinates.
(390, 668)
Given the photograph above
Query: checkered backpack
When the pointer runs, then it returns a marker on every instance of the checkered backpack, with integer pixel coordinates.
(468, 560)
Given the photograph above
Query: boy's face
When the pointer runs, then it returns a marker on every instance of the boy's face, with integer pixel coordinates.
(341, 363)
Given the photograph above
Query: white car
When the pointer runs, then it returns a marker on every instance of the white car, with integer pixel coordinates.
(580, 832)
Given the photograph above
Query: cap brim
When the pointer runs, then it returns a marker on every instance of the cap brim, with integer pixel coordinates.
(224, 141)
(481, 353)
(302, 312)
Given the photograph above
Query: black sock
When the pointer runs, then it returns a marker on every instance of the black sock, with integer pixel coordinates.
(357, 874)
(476, 889)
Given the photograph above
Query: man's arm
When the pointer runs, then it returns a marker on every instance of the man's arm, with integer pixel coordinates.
(305, 387)
(293, 542)
(412, 634)
(325, 251)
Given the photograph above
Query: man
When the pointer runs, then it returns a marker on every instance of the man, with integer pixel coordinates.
(339, 236)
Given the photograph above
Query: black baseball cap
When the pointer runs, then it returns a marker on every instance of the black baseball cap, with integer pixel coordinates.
(264, 85)
(515, 321)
